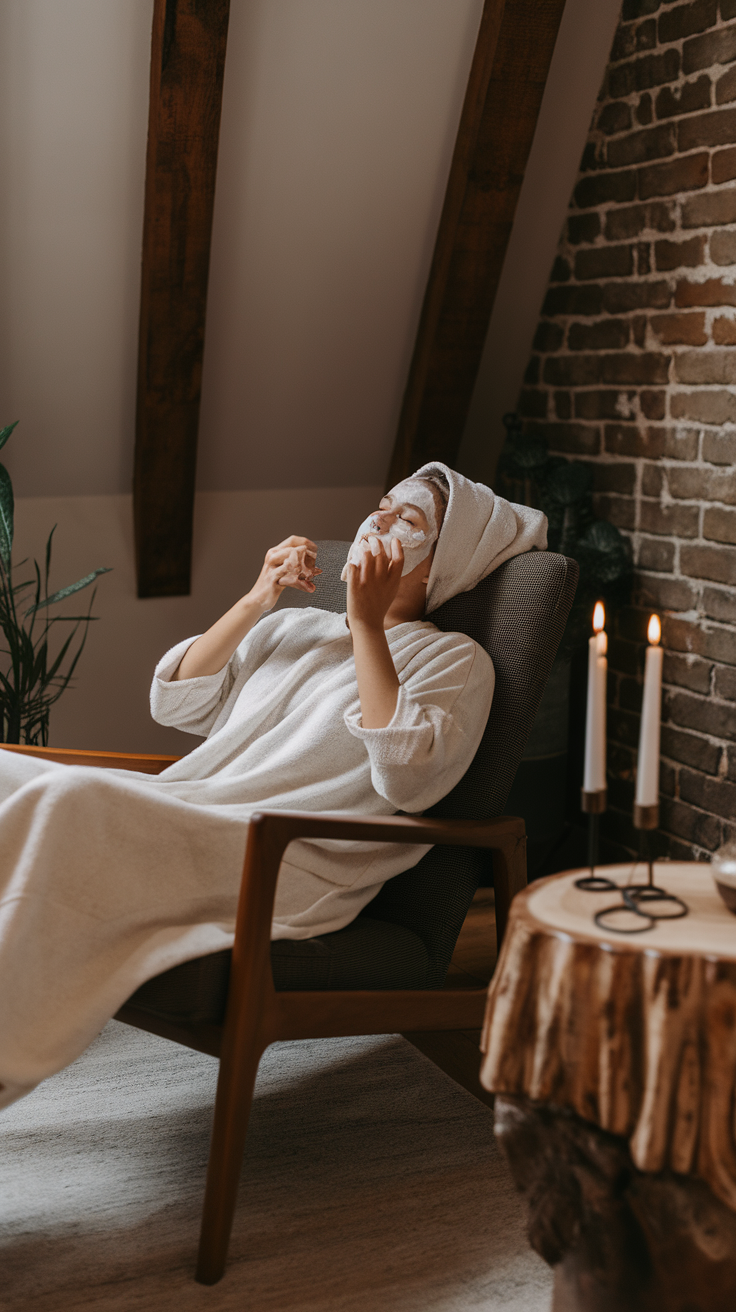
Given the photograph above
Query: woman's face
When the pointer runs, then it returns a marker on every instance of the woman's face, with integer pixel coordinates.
(408, 512)
(397, 508)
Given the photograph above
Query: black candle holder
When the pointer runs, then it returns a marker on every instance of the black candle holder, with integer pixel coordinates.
(646, 820)
(593, 804)
(639, 899)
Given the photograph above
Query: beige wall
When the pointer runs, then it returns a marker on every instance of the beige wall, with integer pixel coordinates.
(73, 114)
(339, 120)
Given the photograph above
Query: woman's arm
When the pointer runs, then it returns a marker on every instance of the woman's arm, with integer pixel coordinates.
(440, 716)
(372, 586)
(289, 565)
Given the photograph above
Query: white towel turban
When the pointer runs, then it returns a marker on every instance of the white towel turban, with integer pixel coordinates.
(479, 532)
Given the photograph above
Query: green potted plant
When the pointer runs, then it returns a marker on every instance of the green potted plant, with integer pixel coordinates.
(543, 791)
(34, 676)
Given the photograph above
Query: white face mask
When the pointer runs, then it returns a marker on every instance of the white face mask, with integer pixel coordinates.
(417, 542)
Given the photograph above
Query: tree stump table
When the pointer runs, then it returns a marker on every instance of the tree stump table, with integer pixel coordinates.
(613, 1062)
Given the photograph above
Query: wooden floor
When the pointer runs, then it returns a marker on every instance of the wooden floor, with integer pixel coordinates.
(457, 1052)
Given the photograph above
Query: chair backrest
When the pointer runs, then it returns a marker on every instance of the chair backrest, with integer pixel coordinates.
(517, 614)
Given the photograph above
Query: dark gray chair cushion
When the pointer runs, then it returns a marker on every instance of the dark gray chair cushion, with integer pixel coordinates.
(406, 936)
(369, 954)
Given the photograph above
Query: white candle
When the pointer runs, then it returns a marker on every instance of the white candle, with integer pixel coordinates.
(594, 775)
(647, 768)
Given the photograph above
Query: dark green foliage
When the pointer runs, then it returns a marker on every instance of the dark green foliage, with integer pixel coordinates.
(32, 678)
(563, 489)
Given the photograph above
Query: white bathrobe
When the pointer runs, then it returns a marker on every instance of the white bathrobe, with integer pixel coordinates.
(108, 878)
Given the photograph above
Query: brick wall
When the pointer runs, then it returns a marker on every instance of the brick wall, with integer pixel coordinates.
(634, 369)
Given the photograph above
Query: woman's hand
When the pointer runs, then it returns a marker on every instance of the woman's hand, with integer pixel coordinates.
(373, 584)
(289, 565)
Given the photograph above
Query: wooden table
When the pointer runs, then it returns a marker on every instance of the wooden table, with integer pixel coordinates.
(613, 1061)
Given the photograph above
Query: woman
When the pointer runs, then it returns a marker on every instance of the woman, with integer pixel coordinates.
(109, 878)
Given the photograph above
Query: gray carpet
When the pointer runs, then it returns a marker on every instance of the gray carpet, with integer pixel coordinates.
(371, 1182)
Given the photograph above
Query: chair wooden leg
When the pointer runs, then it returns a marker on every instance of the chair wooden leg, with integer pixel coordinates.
(509, 877)
(232, 1110)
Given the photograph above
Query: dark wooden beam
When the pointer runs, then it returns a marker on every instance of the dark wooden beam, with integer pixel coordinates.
(507, 80)
(187, 64)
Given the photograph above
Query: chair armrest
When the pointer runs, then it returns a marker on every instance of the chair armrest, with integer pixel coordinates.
(270, 832)
(104, 760)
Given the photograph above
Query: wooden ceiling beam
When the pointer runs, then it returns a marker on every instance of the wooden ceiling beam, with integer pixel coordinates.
(187, 65)
(507, 79)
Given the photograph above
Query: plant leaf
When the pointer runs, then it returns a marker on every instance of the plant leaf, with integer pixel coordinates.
(6, 517)
(5, 433)
(48, 558)
(68, 591)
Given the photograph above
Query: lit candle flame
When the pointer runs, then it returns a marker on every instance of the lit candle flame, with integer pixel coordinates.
(599, 617)
(654, 632)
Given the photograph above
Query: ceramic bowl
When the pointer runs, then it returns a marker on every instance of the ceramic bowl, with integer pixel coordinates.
(723, 869)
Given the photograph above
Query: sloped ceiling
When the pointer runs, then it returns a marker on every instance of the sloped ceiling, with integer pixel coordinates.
(339, 119)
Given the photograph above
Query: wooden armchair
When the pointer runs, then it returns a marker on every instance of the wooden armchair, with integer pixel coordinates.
(384, 973)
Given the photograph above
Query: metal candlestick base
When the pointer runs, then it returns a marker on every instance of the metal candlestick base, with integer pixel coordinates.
(646, 819)
(593, 804)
